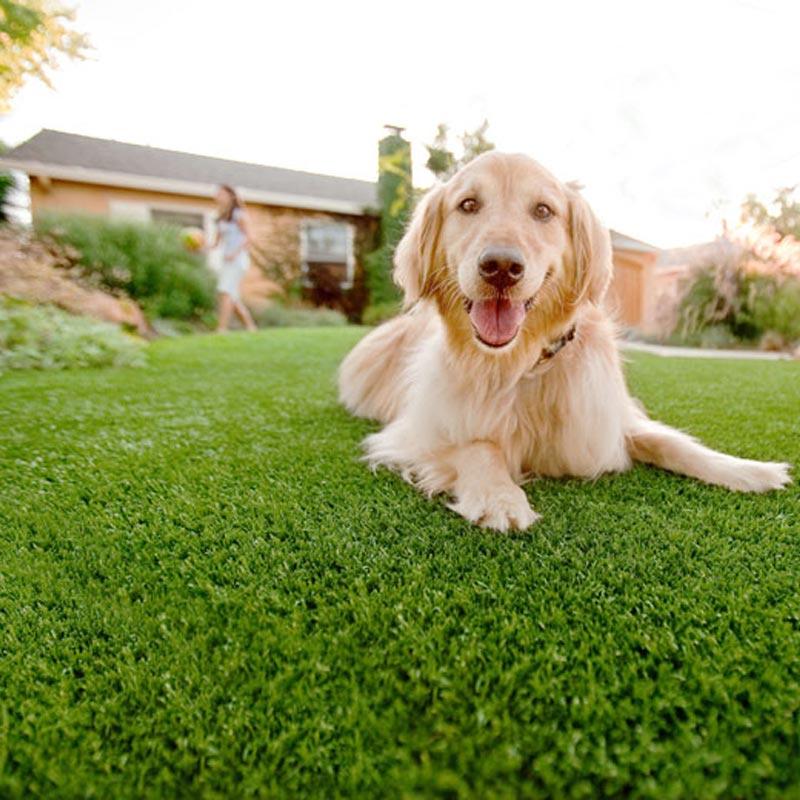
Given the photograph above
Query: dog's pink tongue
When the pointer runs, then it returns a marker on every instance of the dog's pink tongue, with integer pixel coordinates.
(497, 320)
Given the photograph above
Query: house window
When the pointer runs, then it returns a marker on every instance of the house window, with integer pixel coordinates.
(327, 254)
(183, 219)
(171, 214)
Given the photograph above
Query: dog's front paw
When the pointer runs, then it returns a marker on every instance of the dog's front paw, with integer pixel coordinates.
(502, 509)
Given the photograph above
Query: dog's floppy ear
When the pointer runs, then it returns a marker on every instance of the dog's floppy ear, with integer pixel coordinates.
(591, 250)
(416, 252)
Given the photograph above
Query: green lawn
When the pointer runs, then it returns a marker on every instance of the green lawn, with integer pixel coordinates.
(203, 593)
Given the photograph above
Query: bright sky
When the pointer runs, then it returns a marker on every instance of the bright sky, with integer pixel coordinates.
(669, 113)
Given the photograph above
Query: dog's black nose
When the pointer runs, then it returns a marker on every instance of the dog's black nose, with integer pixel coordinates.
(501, 266)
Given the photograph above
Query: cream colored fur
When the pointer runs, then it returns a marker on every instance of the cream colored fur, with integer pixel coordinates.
(473, 421)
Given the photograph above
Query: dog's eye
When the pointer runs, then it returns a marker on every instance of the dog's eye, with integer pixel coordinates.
(469, 206)
(542, 211)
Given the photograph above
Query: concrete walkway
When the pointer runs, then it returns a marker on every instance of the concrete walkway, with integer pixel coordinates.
(696, 352)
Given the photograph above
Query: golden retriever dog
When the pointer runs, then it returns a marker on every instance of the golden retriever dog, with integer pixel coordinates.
(505, 365)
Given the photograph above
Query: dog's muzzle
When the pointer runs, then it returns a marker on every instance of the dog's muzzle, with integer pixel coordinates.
(501, 267)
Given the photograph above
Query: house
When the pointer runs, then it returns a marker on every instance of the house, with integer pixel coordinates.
(317, 226)
(634, 289)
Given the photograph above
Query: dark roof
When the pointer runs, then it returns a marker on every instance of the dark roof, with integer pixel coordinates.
(71, 150)
(56, 148)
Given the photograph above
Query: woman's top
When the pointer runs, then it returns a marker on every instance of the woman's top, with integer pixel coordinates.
(231, 235)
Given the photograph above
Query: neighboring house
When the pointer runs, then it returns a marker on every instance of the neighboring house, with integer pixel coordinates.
(635, 286)
(319, 226)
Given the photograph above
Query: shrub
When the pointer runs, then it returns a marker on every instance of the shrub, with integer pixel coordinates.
(45, 337)
(753, 289)
(280, 316)
(148, 262)
(728, 304)
(713, 337)
(774, 307)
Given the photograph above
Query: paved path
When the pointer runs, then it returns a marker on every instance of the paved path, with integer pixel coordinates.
(696, 352)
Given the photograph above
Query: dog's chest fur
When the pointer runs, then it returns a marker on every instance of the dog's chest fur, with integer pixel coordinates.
(561, 419)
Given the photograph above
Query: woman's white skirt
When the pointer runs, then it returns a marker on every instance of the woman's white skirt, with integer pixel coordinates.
(231, 274)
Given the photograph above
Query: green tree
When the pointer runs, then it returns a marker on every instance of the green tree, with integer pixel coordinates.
(6, 188)
(782, 214)
(443, 162)
(33, 34)
(395, 192)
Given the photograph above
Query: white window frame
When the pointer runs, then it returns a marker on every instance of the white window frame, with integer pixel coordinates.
(129, 210)
(350, 263)
(142, 211)
(208, 216)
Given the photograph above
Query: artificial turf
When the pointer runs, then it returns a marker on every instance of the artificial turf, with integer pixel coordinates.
(204, 593)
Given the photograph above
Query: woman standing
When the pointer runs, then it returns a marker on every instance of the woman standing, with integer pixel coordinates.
(233, 231)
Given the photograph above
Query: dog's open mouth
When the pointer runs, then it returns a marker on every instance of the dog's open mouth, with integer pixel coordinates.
(497, 320)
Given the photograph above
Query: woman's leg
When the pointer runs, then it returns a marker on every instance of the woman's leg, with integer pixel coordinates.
(244, 315)
(224, 311)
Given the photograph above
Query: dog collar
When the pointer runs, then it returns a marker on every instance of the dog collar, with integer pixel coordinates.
(555, 347)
